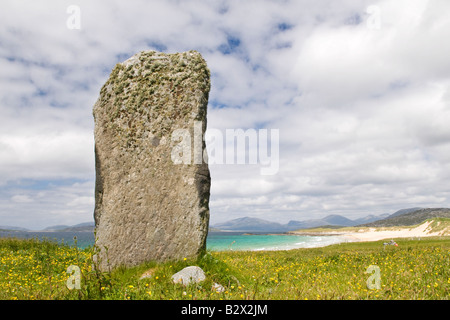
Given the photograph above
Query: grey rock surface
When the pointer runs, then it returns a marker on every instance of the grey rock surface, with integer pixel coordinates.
(147, 207)
(217, 287)
(188, 275)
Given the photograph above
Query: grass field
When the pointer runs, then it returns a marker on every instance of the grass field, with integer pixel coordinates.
(416, 269)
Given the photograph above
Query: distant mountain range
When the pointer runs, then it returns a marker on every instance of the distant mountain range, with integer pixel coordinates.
(401, 217)
(410, 218)
(248, 224)
(12, 228)
(81, 227)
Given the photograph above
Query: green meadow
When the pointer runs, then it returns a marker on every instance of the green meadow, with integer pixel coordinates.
(416, 269)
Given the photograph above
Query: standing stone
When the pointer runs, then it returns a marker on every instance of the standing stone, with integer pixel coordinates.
(147, 206)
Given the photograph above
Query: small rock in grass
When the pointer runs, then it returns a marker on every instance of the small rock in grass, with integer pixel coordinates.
(217, 288)
(189, 275)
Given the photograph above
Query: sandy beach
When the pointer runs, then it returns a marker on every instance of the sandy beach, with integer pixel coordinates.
(375, 234)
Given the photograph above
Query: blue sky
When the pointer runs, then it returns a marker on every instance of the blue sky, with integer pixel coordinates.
(359, 91)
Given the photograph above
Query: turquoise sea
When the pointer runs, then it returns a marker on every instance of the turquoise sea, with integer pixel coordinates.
(220, 241)
(216, 241)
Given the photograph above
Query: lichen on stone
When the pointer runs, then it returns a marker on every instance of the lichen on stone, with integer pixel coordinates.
(149, 86)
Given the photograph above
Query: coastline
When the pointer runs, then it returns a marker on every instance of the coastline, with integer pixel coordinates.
(268, 241)
(252, 241)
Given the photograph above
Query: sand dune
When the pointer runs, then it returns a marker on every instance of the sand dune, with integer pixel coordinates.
(425, 229)
(375, 234)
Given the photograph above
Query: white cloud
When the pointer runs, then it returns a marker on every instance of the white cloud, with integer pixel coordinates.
(36, 204)
(89, 201)
(362, 112)
(21, 199)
